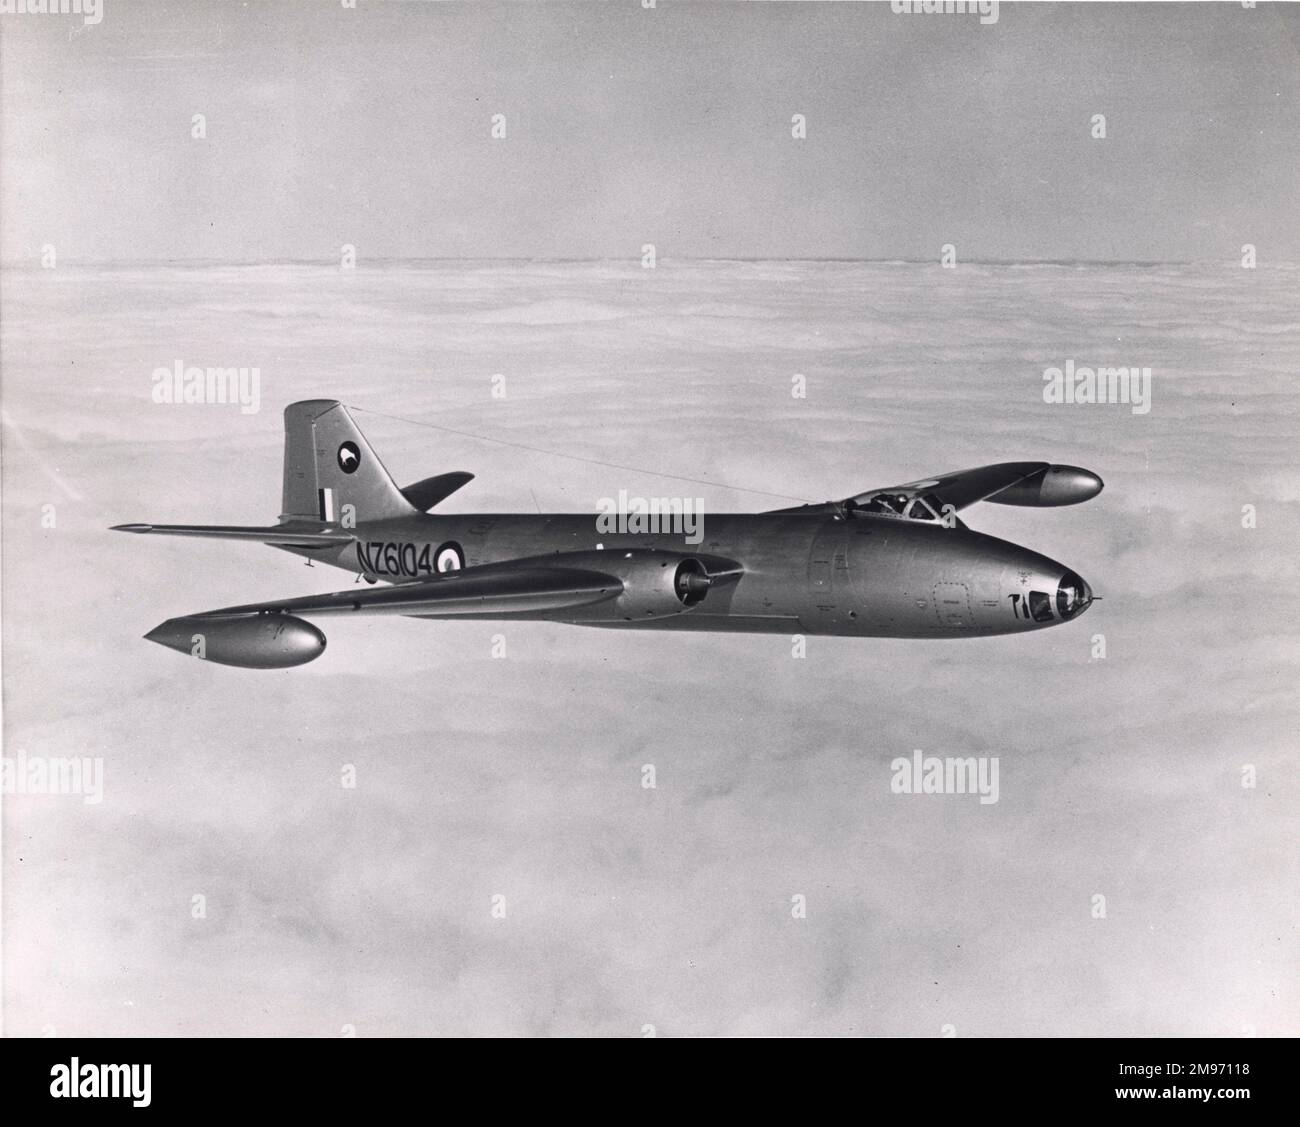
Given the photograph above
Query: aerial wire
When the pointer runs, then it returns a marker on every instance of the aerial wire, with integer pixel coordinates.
(579, 458)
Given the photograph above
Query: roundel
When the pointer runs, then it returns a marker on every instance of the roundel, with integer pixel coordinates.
(449, 557)
(349, 457)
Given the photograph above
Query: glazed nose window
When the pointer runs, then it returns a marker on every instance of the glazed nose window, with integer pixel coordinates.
(1040, 606)
(1073, 596)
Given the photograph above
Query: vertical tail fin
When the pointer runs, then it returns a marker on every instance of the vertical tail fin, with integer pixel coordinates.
(328, 464)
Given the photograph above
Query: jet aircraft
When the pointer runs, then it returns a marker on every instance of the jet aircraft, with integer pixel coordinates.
(889, 563)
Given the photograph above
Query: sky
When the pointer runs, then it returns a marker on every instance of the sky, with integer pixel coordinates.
(372, 126)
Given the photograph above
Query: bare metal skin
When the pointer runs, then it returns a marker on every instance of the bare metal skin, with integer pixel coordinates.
(892, 563)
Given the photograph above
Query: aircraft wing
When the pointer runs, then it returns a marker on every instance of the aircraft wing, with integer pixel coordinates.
(490, 589)
(270, 635)
(1036, 484)
(961, 487)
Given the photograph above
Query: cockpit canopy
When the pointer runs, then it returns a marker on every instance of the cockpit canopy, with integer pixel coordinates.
(923, 506)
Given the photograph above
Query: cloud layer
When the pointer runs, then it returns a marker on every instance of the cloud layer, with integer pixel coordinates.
(521, 776)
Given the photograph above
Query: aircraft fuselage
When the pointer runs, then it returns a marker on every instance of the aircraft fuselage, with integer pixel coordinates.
(817, 572)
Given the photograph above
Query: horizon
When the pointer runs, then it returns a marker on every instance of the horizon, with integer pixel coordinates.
(29, 263)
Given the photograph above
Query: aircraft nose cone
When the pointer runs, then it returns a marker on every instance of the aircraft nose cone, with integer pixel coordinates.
(1073, 595)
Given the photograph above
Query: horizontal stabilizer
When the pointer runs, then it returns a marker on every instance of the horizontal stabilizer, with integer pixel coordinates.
(285, 535)
(427, 493)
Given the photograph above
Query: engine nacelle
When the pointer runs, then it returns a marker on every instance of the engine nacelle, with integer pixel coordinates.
(656, 583)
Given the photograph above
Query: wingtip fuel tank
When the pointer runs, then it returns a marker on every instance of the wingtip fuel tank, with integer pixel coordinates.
(255, 641)
(1052, 486)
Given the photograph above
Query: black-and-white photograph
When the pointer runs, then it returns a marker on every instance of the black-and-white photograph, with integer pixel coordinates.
(647, 519)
